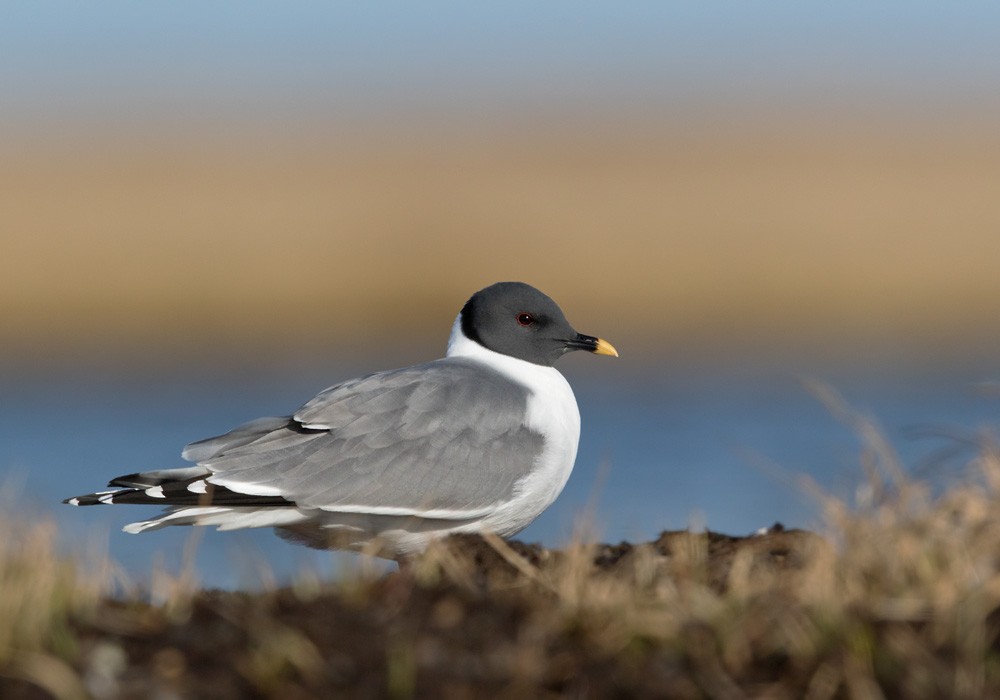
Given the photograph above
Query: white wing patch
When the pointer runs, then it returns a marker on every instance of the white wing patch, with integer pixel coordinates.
(224, 517)
(199, 486)
(432, 513)
(248, 488)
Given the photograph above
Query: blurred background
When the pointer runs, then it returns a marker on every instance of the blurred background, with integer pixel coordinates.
(212, 211)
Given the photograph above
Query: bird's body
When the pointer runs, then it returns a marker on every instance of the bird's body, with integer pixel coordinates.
(481, 440)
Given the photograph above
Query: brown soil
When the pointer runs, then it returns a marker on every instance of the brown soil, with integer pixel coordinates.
(489, 628)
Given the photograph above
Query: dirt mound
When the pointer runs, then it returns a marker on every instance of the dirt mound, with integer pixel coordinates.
(474, 617)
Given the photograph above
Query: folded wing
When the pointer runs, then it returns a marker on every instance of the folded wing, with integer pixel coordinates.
(445, 439)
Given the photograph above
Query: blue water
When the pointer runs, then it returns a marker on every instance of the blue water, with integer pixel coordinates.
(660, 449)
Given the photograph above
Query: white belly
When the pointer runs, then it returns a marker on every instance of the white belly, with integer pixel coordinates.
(553, 413)
(557, 418)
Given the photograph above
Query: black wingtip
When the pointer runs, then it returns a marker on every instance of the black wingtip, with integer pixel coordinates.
(90, 499)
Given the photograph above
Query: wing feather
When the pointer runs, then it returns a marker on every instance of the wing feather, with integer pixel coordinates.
(204, 450)
(447, 436)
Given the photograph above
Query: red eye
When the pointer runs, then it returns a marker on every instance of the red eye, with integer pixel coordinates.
(525, 319)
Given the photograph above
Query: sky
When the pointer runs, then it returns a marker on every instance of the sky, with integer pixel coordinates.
(121, 60)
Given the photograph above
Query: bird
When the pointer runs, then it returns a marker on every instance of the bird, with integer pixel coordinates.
(481, 440)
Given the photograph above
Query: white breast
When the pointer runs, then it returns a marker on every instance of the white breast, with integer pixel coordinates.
(552, 412)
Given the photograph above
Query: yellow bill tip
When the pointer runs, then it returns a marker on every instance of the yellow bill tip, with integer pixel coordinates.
(605, 348)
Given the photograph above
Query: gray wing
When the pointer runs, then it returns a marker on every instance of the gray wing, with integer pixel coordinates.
(244, 434)
(447, 436)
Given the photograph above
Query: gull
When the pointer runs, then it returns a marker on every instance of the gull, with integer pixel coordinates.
(481, 440)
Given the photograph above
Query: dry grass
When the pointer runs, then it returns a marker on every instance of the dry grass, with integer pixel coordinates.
(42, 593)
(899, 598)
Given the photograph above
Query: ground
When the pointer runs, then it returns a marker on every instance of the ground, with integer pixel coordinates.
(482, 618)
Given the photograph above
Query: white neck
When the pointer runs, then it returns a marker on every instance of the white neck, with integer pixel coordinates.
(521, 371)
(551, 412)
(459, 345)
